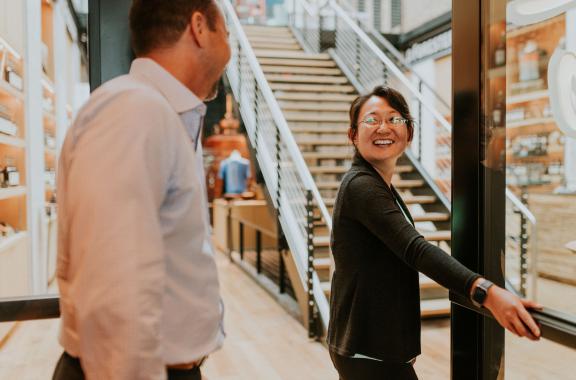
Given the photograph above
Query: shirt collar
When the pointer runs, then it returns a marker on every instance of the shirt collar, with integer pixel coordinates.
(178, 95)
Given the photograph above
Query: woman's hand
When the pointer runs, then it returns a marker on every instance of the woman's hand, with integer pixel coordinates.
(510, 311)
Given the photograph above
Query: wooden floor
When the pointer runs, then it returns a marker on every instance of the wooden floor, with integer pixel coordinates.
(264, 342)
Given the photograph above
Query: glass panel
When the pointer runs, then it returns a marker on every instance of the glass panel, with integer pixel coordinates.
(43, 81)
(540, 70)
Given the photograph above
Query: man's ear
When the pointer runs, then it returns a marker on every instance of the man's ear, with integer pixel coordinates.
(199, 29)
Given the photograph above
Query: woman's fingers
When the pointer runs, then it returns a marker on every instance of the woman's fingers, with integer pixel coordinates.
(531, 304)
(528, 321)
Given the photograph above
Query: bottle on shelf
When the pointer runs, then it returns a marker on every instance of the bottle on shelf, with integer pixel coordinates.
(10, 174)
(498, 110)
(500, 51)
(528, 61)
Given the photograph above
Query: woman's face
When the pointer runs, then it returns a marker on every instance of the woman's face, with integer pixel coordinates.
(382, 132)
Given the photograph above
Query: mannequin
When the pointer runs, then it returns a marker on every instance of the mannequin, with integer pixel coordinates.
(235, 173)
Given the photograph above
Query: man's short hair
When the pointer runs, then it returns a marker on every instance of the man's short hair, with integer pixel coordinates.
(160, 23)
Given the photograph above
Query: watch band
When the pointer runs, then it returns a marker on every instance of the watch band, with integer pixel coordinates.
(481, 291)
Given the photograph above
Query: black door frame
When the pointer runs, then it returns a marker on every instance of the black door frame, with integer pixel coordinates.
(478, 220)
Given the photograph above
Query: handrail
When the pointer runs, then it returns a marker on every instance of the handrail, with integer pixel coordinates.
(520, 206)
(289, 178)
(277, 114)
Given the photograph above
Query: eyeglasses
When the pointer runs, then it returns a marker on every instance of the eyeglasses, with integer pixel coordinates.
(374, 122)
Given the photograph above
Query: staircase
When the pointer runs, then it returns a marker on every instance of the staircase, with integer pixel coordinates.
(314, 96)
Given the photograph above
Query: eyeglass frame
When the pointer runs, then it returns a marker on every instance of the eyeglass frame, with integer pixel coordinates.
(402, 120)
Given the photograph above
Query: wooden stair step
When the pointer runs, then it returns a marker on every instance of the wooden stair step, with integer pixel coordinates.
(419, 199)
(275, 46)
(265, 53)
(427, 283)
(299, 87)
(319, 79)
(328, 185)
(434, 308)
(323, 141)
(319, 97)
(437, 235)
(300, 70)
(305, 63)
(321, 241)
(316, 106)
(327, 155)
(431, 217)
(315, 116)
(327, 169)
(318, 130)
(270, 30)
(322, 263)
(276, 39)
(326, 288)
(408, 183)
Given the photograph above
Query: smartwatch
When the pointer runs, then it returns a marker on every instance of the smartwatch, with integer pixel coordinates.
(481, 292)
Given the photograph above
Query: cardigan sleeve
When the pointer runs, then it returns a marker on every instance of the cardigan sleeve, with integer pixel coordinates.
(368, 201)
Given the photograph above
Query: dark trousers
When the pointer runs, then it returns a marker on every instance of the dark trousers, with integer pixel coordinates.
(368, 369)
(68, 368)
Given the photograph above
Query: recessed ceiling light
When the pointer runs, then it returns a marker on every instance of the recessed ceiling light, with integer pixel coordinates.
(524, 12)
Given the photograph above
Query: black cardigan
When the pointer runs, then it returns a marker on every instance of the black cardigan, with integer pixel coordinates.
(375, 300)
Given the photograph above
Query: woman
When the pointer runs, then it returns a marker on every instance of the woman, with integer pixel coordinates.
(374, 330)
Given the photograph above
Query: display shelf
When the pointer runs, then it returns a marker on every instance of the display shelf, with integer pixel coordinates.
(529, 122)
(527, 97)
(12, 141)
(12, 192)
(9, 242)
(515, 32)
(530, 129)
(549, 157)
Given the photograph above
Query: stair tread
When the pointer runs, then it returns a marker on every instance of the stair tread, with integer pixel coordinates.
(322, 141)
(315, 116)
(275, 46)
(276, 39)
(322, 263)
(308, 106)
(295, 78)
(266, 53)
(301, 87)
(344, 169)
(268, 69)
(431, 217)
(427, 283)
(434, 307)
(437, 235)
(327, 155)
(296, 62)
(267, 29)
(321, 241)
(318, 97)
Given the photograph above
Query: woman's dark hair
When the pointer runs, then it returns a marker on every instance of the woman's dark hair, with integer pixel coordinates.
(160, 23)
(393, 97)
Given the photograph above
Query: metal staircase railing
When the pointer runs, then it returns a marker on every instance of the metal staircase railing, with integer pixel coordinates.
(289, 182)
(366, 65)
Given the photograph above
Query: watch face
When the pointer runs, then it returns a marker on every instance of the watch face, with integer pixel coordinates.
(479, 295)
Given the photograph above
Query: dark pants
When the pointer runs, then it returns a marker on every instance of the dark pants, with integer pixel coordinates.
(368, 369)
(68, 368)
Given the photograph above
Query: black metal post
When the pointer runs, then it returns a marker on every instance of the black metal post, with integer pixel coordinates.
(282, 247)
(229, 231)
(420, 122)
(241, 237)
(258, 251)
(256, 122)
(523, 246)
(310, 272)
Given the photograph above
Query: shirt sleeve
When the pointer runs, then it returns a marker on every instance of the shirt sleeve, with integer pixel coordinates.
(117, 182)
(369, 202)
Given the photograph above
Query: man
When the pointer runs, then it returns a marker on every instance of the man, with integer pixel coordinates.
(138, 281)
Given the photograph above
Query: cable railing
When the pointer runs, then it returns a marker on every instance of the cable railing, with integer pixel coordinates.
(288, 180)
